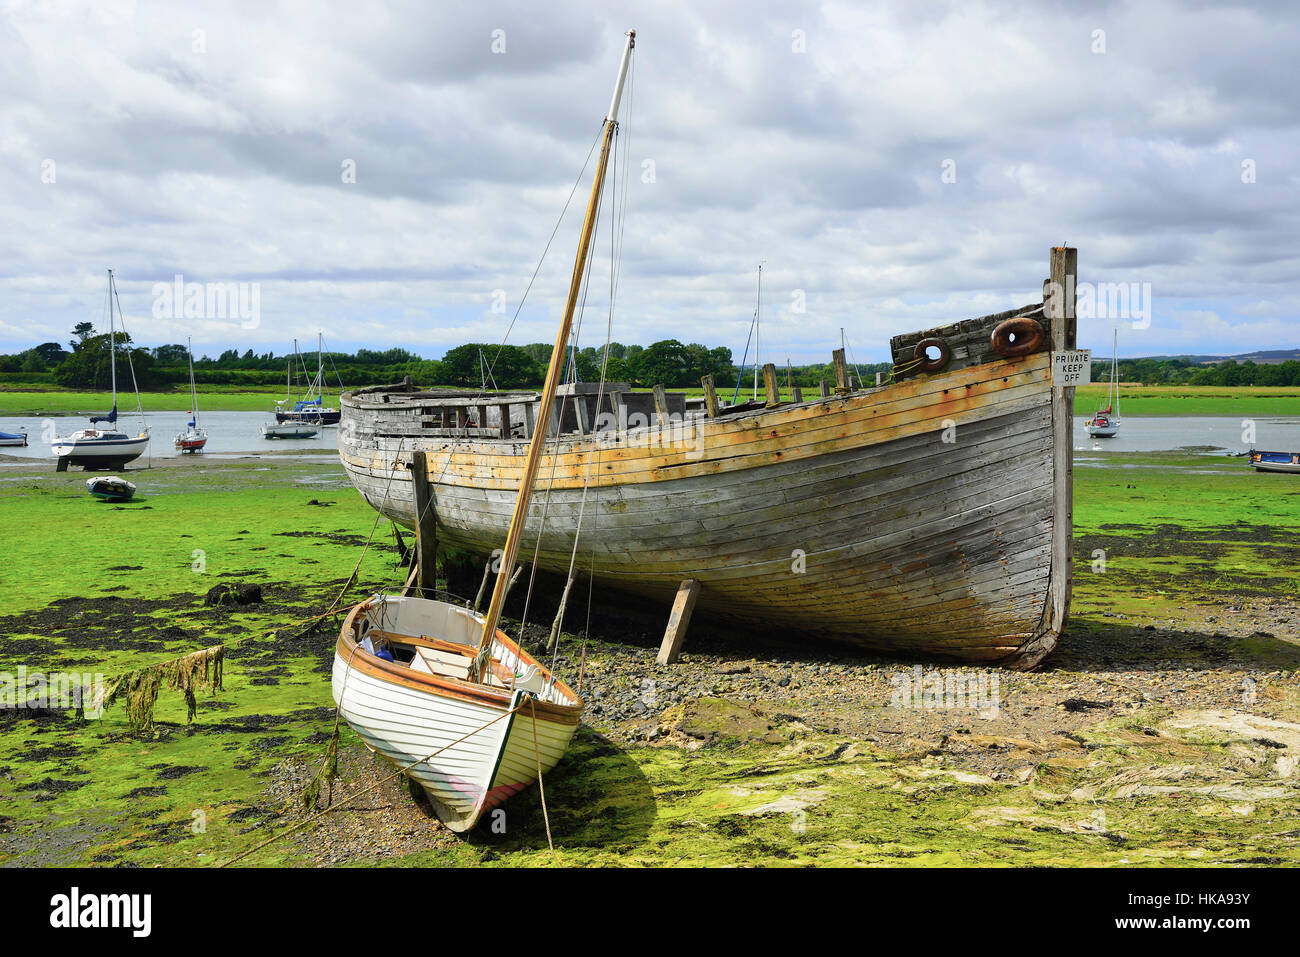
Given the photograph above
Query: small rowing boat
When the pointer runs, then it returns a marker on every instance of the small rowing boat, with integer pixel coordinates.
(110, 488)
(402, 679)
(13, 438)
(438, 689)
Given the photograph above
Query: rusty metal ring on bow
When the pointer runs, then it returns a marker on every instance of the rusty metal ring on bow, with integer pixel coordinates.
(921, 352)
(1017, 337)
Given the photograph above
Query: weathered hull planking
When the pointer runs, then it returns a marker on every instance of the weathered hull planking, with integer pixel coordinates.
(928, 515)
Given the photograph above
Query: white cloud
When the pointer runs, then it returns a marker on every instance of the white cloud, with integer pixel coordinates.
(224, 165)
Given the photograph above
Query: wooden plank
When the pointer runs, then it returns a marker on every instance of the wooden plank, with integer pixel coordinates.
(710, 396)
(678, 621)
(796, 394)
(426, 526)
(824, 388)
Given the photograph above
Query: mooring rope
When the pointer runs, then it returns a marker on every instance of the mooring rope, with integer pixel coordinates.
(532, 703)
(366, 790)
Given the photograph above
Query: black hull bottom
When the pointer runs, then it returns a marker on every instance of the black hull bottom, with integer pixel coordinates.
(309, 418)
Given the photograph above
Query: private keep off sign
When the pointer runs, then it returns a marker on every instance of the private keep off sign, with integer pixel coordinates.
(1072, 368)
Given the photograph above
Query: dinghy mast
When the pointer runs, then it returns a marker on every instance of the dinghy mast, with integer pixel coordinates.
(558, 354)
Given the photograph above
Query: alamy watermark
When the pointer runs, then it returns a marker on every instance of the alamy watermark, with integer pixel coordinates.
(69, 690)
(229, 301)
(1106, 300)
(939, 690)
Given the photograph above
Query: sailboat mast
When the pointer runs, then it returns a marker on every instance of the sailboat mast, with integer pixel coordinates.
(758, 315)
(194, 389)
(112, 342)
(558, 353)
(1114, 373)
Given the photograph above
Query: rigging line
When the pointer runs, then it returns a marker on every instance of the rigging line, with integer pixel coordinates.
(139, 404)
(615, 259)
(546, 501)
(854, 360)
(538, 268)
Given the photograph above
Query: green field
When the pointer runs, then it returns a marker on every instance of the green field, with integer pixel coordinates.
(35, 403)
(1193, 400)
(1135, 400)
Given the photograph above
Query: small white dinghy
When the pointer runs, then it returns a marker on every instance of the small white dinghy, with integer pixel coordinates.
(480, 733)
(438, 689)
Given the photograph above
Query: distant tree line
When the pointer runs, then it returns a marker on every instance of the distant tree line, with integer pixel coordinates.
(1229, 372)
(668, 362)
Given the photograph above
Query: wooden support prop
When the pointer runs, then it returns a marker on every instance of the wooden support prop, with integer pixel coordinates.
(825, 389)
(482, 586)
(530, 424)
(678, 621)
(770, 386)
(661, 404)
(710, 396)
(62, 464)
(426, 526)
(841, 373)
(505, 421)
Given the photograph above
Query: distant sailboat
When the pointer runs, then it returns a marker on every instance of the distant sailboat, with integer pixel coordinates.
(1105, 424)
(311, 409)
(193, 438)
(105, 448)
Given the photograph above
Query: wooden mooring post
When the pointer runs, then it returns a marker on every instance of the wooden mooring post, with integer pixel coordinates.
(770, 386)
(426, 527)
(842, 386)
(678, 621)
(710, 396)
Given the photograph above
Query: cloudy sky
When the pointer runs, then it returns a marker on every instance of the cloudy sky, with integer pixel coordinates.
(895, 166)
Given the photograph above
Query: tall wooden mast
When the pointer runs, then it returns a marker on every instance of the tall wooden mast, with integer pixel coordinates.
(553, 372)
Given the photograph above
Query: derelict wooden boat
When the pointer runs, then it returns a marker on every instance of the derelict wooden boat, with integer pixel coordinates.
(1274, 461)
(423, 703)
(439, 689)
(110, 488)
(931, 514)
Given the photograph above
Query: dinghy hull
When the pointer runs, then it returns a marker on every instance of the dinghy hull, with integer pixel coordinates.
(469, 747)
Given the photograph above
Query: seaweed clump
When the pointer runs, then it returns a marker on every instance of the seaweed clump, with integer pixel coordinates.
(199, 670)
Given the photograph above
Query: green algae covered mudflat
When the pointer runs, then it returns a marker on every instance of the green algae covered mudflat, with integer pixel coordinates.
(1163, 731)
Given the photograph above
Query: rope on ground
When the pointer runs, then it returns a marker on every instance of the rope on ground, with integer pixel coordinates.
(532, 704)
(366, 790)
